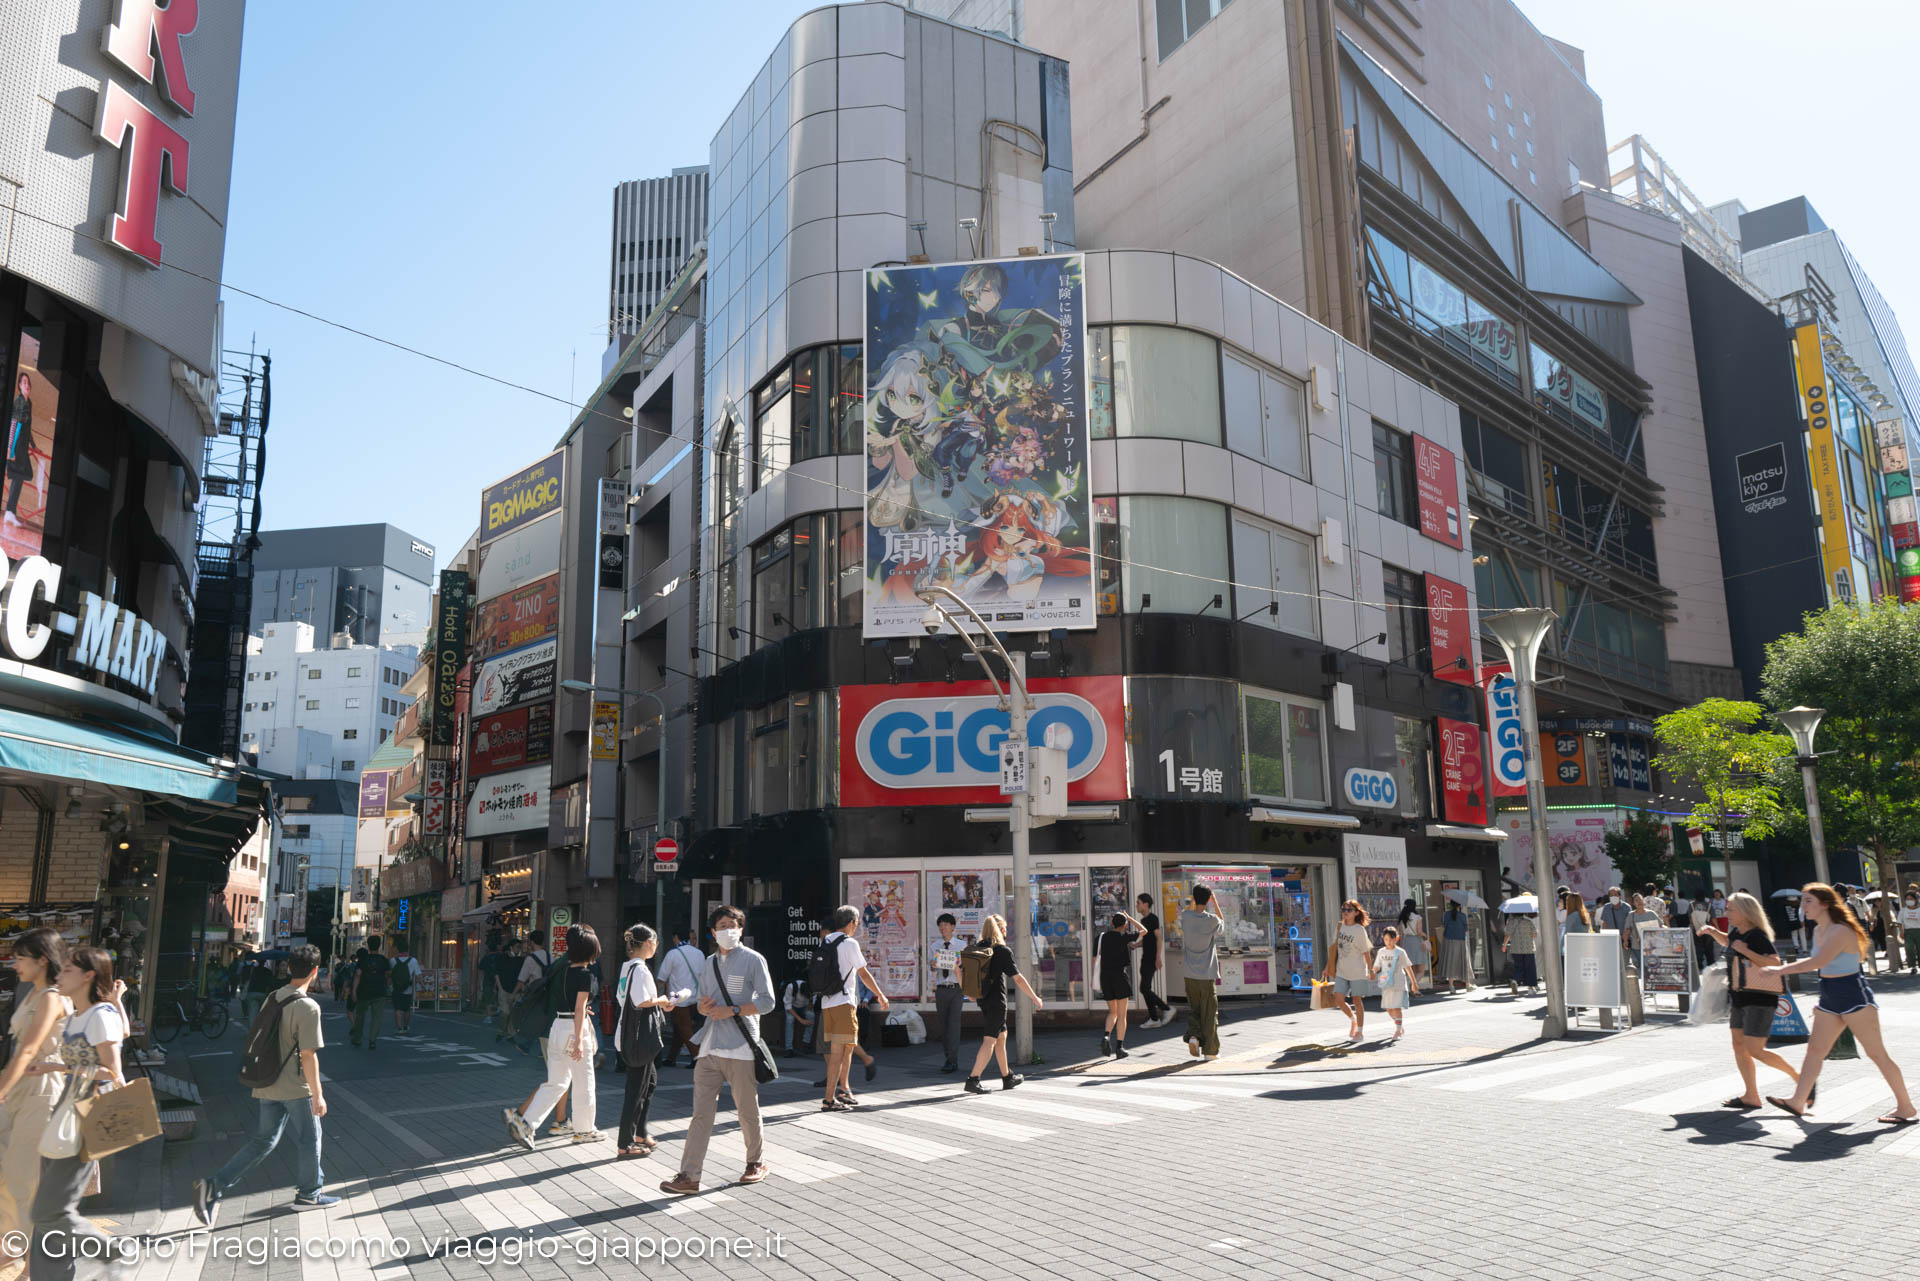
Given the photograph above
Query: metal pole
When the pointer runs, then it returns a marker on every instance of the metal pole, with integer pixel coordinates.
(1555, 1026)
(1019, 823)
(1813, 822)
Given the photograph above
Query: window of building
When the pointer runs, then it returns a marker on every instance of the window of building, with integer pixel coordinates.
(1573, 174)
(1504, 583)
(349, 733)
(1509, 101)
(767, 776)
(849, 567)
(383, 736)
(1493, 139)
(1412, 770)
(1529, 147)
(346, 767)
(1406, 615)
(772, 587)
(1266, 414)
(1152, 380)
(353, 704)
(773, 429)
(353, 673)
(313, 673)
(1434, 304)
(1174, 553)
(1526, 118)
(1286, 750)
(725, 790)
(252, 675)
(1178, 20)
(1533, 177)
(1498, 463)
(1268, 554)
(1393, 475)
(1491, 113)
(1510, 131)
(1489, 79)
(249, 707)
(266, 707)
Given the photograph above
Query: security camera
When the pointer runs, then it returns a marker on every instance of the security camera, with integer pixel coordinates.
(934, 621)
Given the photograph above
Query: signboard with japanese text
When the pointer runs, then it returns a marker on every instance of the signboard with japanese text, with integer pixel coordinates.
(438, 792)
(522, 498)
(519, 676)
(1563, 758)
(1449, 630)
(448, 657)
(1463, 784)
(521, 617)
(511, 739)
(1376, 868)
(1186, 737)
(977, 425)
(606, 729)
(515, 801)
(373, 794)
(1437, 485)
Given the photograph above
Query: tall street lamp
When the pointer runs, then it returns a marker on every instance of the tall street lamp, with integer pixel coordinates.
(1520, 632)
(1801, 722)
(1019, 705)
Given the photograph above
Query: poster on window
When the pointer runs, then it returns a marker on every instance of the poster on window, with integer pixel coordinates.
(976, 443)
(889, 928)
(969, 895)
(34, 408)
(1376, 876)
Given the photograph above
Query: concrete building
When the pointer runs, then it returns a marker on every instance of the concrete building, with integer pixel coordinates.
(368, 581)
(297, 694)
(657, 224)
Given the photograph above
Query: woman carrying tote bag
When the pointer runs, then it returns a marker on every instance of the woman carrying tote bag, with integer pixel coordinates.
(89, 1050)
(638, 1034)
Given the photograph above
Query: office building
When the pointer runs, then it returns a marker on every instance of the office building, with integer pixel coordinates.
(657, 222)
(367, 582)
(319, 712)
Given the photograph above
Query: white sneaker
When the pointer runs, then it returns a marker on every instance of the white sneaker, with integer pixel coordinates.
(1210, 1057)
(560, 1129)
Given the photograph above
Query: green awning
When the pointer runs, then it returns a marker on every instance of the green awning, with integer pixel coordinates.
(84, 754)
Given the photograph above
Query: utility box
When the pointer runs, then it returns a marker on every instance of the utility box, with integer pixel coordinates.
(1047, 782)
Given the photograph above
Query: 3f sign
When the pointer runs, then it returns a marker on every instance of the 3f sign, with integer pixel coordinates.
(145, 39)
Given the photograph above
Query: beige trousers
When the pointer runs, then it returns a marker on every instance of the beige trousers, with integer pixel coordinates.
(710, 1072)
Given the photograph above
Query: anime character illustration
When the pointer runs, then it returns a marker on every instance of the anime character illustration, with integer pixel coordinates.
(976, 437)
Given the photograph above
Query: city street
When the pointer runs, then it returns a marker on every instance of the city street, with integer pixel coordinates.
(1468, 1148)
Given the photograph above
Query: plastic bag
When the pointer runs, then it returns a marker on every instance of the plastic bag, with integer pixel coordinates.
(911, 1020)
(1711, 1001)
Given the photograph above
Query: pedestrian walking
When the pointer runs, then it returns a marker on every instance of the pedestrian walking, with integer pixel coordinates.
(1116, 980)
(1846, 1003)
(89, 1053)
(259, 982)
(1152, 962)
(27, 1096)
(1863, 912)
(735, 989)
(406, 972)
(370, 975)
(641, 1035)
(535, 962)
(1754, 993)
(1719, 911)
(844, 964)
(1394, 968)
(1910, 926)
(1644, 918)
(1456, 965)
(1201, 932)
(1615, 914)
(1350, 966)
(1700, 917)
(1523, 937)
(680, 972)
(1414, 941)
(1574, 919)
(994, 978)
(944, 963)
(293, 1103)
(797, 1002)
(1655, 903)
(571, 1044)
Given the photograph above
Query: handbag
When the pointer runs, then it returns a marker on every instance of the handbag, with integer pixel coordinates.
(642, 1031)
(117, 1118)
(765, 1070)
(1323, 997)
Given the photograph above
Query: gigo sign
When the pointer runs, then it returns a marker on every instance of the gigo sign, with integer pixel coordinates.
(105, 638)
(1508, 734)
(940, 744)
(1375, 789)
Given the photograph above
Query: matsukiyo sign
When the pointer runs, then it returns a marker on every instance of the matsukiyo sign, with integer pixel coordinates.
(103, 638)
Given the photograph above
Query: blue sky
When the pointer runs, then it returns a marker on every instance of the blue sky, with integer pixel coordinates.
(448, 185)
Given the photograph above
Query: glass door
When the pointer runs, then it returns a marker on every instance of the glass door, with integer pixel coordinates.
(1060, 937)
(1430, 896)
(708, 893)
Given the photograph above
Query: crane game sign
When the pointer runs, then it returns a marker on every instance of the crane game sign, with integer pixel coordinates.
(977, 416)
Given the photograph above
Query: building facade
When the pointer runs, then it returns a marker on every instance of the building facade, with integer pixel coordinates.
(657, 224)
(370, 582)
(314, 712)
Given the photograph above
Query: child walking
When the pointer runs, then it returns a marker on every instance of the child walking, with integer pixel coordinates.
(1394, 969)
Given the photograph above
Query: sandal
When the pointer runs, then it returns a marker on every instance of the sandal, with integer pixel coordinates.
(1739, 1104)
(833, 1105)
(1894, 1118)
(1785, 1106)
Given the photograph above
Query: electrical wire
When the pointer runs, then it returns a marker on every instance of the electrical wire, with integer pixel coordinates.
(860, 495)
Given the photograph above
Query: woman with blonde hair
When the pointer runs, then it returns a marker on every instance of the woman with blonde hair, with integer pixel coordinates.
(1748, 939)
(993, 1005)
(1846, 1002)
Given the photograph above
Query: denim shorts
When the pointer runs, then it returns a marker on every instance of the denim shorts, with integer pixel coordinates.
(1355, 987)
(1845, 993)
(1752, 1020)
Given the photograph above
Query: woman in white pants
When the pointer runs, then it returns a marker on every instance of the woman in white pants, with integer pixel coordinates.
(571, 1046)
(27, 1101)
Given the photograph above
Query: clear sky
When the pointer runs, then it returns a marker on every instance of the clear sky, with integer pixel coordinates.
(448, 185)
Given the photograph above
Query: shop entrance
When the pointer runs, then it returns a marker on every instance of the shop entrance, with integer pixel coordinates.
(1273, 915)
(708, 892)
(1429, 896)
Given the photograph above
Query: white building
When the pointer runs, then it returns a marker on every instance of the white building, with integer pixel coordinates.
(294, 692)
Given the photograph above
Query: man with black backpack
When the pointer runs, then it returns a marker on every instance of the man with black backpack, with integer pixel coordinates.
(282, 1064)
(370, 975)
(405, 971)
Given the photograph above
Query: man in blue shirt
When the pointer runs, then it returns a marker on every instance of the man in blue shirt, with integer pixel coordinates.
(735, 990)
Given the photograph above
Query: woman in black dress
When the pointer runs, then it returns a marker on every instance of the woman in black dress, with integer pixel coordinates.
(1116, 980)
(993, 1004)
(20, 444)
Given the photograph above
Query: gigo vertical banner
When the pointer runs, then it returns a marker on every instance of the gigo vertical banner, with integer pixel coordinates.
(977, 420)
(449, 656)
(1836, 560)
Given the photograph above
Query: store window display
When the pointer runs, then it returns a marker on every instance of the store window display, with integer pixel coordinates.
(1257, 914)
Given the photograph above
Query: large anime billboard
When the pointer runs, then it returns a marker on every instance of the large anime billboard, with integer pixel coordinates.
(976, 434)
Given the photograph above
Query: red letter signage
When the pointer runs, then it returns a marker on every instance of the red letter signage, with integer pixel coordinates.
(1438, 487)
(143, 25)
(1462, 776)
(1449, 630)
(150, 147)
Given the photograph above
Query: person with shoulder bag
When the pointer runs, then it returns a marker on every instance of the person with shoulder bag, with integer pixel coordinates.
(640, 1034)
(1753, 994)
(89, 1050)
(736, 988)
(570, 1048)
(26, 1101)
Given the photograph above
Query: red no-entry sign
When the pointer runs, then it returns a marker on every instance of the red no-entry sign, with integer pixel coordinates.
(666, 850)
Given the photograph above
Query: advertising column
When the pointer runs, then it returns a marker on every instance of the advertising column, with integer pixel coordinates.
(1836, 557)
(1890, 435)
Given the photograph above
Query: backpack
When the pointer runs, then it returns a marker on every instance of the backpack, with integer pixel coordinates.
(823, 971)
(260, 1060)
(974, 961)
(373, 970)
(402, 978)
(532, 1011)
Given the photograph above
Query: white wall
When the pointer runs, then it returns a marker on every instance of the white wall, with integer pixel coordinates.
(357, 690)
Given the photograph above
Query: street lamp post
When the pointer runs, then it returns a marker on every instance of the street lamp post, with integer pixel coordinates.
(1520, 632)
(1801, 722)
(1019, 705)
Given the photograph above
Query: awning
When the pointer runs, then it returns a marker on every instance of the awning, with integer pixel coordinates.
(505, 903)
(1304, 818)
(1458, 833)
(77, 753)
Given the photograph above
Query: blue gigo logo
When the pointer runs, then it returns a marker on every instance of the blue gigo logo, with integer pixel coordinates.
(1372, 788)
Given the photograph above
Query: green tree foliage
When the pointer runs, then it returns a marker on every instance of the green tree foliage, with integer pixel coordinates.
(1643, 853)
(1863, 666)
(1715, 748)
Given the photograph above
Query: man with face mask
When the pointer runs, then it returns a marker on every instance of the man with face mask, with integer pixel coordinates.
(1910, 926)
(735, 988)
(1614, 913)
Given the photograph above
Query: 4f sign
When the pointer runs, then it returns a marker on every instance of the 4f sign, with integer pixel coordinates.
(146, 39)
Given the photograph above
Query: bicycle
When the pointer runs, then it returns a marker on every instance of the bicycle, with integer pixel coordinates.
(209, 1014)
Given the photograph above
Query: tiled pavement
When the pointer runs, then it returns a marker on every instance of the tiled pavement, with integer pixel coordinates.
(1465, 1148)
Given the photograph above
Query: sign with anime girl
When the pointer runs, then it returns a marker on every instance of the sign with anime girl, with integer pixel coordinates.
(976, 443)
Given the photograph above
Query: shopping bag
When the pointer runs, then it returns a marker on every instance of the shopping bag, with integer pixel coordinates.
(1711, 1002)
(1324, 997)
(114, 1120)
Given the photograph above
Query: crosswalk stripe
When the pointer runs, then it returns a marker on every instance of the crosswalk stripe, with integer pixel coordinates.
(1129, 1095)
(1473, 1079)
(1838, 1103)
(873, 1136)
(959, 1118)
(646, 1188)
(1061, 1111)
(1185, 1085)
(1688, 1098)
(1612, 1080)
(787, 1162)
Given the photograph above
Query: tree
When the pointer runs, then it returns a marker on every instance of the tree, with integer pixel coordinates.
(1642, 852)
(1863, 666)
(1714, 747)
